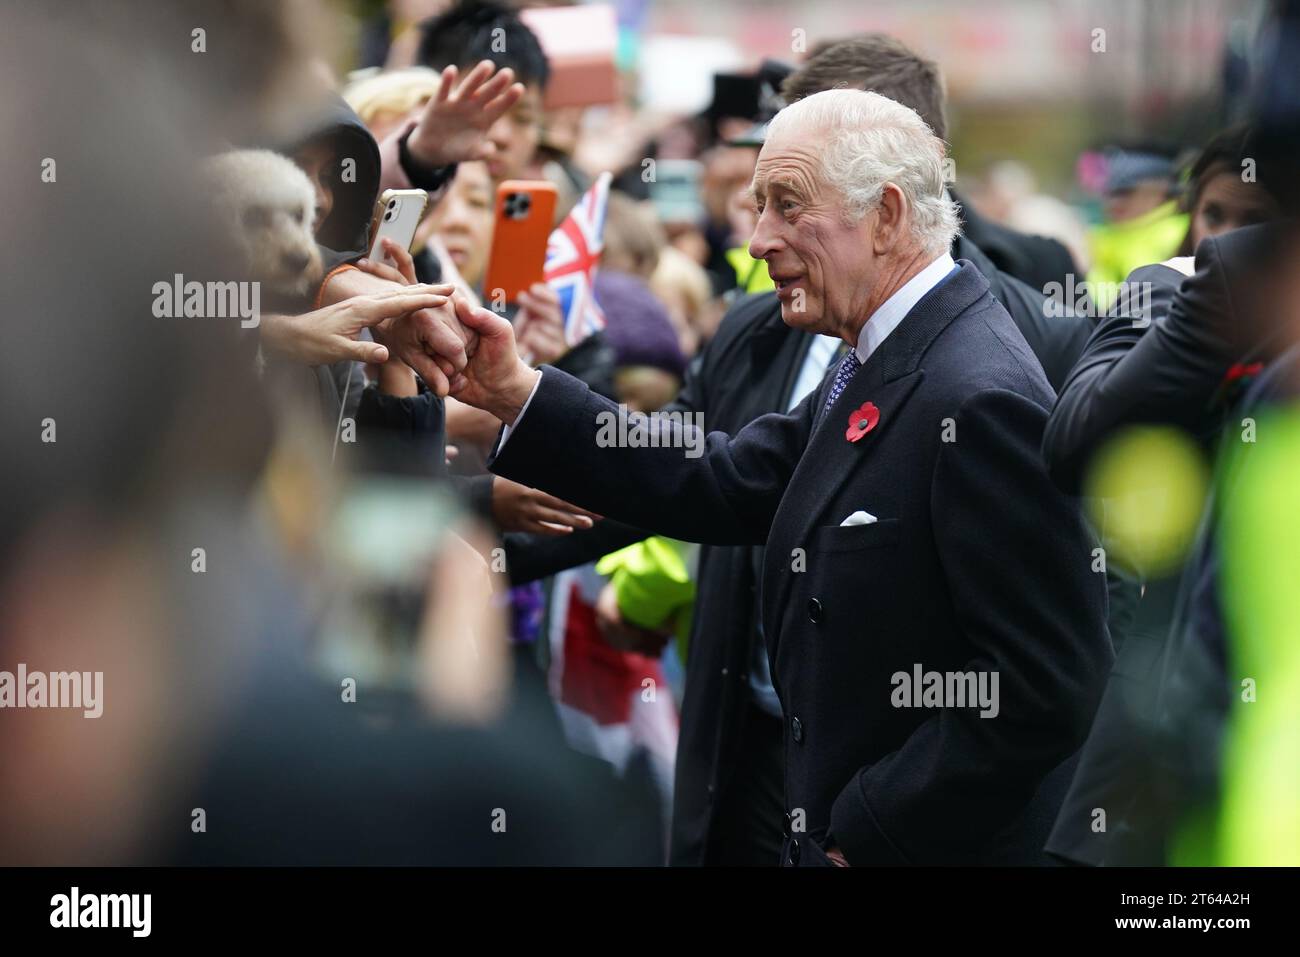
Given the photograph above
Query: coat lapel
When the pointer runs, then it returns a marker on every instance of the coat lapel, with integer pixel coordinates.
(889, 378)
(827, 463)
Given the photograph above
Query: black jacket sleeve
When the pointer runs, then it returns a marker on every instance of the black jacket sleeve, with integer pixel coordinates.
(402, 434)
(1054, 335)
(476, 492)
(530, 557)
(727, 495)
(1165, 367)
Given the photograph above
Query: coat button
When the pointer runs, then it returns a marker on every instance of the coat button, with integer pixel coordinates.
(794, 852)
(796, 729)
(814, 610)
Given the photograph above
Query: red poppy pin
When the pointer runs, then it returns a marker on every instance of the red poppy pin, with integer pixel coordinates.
(862, 421)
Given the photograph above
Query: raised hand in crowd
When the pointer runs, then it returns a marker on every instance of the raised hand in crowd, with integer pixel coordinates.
(329, 334)
(453, 125)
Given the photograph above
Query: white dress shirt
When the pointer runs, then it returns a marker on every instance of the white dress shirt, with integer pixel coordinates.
(893, 310)
(818, 361)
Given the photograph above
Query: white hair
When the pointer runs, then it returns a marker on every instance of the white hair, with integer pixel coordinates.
(868, 140)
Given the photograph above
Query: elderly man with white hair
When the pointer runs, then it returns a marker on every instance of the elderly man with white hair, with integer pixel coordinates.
(930, 602)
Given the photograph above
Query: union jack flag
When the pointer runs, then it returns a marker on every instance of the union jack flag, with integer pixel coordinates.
(572, 256)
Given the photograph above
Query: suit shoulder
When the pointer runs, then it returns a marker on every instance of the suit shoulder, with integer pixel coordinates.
(981, 350)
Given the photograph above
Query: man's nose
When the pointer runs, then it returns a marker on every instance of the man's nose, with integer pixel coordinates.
(499, 132)
(763, 242)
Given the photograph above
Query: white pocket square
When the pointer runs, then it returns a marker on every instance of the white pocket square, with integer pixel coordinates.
(858, 518)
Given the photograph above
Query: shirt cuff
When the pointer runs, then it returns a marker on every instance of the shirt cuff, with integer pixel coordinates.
(506, 429)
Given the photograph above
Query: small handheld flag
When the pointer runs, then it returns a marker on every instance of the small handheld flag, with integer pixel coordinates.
(572, 257)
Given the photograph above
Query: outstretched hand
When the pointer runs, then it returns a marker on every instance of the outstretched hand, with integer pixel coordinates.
(494, 378)
(329, 334)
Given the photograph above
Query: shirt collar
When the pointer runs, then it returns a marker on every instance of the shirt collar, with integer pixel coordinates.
(894, 309)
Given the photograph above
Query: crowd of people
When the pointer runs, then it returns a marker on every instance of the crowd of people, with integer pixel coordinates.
(966, 540)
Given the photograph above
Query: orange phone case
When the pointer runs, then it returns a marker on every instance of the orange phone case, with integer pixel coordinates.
(525, 216)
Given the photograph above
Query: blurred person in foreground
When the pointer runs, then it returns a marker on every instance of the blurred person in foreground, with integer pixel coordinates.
(863, 255)
(209, 701)
(1177, 351)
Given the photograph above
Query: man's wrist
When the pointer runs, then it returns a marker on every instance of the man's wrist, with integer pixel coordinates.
(508, 403)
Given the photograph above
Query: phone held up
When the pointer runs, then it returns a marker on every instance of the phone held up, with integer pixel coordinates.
(397, 215)
(525, 216)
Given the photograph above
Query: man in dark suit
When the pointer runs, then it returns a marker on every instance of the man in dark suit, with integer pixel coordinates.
(915, 546)
(729, 746)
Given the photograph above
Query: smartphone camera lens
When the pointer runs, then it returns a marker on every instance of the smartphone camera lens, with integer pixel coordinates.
(517, 205)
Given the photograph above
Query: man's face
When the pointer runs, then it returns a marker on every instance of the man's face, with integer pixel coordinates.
(516, 136)
(317, 161)
(822, 266)
(1226, 203)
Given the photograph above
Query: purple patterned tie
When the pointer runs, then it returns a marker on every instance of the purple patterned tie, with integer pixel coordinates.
(849, 366)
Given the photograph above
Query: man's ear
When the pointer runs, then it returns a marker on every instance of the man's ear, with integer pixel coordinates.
(891, 215)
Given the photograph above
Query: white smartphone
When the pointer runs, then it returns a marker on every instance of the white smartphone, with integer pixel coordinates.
(397, 214)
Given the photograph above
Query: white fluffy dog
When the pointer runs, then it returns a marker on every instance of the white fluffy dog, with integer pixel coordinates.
(267, 205)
